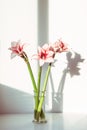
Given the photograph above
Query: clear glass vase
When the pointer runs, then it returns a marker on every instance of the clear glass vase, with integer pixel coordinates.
(39, 108)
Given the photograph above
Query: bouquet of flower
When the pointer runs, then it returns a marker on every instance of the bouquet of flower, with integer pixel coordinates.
(46, 54)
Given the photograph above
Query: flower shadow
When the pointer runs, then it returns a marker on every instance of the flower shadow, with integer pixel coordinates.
(73, 69)
(73, 63)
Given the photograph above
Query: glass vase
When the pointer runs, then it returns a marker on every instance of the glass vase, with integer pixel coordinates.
(39, 102)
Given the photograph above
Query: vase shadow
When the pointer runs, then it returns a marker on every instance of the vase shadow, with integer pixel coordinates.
(71, 68)
(57, 97)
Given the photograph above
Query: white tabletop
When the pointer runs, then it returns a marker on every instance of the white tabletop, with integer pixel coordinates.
(55, 121)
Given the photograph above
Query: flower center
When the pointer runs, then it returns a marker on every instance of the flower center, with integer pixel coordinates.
(43, 55)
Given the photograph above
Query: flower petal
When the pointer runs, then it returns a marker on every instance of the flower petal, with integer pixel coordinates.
(41, 62)
(13, 55)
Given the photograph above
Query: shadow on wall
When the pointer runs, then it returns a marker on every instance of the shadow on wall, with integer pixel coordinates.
(13, 101)
(73, 69)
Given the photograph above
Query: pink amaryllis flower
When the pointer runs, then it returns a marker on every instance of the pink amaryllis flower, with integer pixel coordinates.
(16, 48)
(62, 46)
(58, 46)
(45, 55)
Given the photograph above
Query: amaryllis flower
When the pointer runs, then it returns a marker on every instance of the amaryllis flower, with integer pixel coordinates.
(62, 47)
(16, 48)
(45, 55)
(58, 46)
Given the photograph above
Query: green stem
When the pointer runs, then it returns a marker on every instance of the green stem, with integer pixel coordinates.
(46, 77)
(44, 88)
(31, 75)
(37, 93)
(34, 86)
(38, 83)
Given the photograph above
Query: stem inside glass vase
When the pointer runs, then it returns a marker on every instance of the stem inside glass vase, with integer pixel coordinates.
(39, 117)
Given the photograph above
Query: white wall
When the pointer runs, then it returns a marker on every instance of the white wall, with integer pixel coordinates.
(68, 20)
(18, 21)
